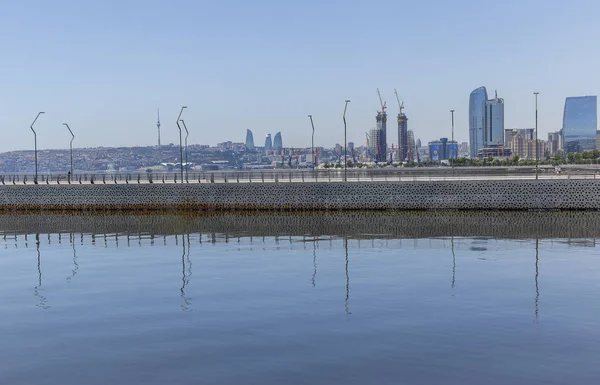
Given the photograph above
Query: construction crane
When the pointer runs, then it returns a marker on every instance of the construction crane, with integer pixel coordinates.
(383, 104)
(400, 105)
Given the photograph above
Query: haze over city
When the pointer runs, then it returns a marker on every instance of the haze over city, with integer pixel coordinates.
(106, 67)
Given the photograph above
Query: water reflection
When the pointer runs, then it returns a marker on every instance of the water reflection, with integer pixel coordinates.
(347, 277)
(37, 290)
(186, 273)
(537, 273)
(314, 276)
(453, 264)
(75, 264)
(267, 243)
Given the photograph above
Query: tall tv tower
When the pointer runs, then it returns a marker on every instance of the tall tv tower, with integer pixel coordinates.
(158, 126)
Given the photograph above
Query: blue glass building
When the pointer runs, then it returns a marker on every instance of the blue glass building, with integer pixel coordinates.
(277, 142)
(249, 140)
(477, 102)
(580, 124)
(443, 149)
(268, 143)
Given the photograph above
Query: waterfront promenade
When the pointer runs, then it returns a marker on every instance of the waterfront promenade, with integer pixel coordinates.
(327, 175)
(296, 190)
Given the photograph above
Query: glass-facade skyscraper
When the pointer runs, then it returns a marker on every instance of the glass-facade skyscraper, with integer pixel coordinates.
(277, 142)
(580, 124)
(494, 122)
(268, 142)
(249, 140)
(477, 102)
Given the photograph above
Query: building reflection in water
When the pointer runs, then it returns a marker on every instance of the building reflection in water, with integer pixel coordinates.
(453, 263)
(314, 276)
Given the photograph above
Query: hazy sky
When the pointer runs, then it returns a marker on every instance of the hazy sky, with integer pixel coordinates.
(105, 66)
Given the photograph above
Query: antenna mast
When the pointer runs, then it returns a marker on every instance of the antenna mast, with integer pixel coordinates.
(158, 125)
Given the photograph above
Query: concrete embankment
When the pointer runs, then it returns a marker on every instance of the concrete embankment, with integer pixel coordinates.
(563, 194)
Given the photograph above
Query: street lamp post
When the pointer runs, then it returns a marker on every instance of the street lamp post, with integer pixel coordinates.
(70, 146)
(180, 142)
(187, 133)
(35, 179)
(537, 155)
(452, 142)
(312, 143)
(345, 140)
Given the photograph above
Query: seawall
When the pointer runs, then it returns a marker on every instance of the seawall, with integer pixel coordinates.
(355, 224)
(559, 194)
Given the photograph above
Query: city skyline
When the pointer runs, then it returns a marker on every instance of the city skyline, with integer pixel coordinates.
(107, 75)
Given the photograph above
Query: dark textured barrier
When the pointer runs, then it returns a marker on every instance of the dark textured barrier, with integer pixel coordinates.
(564, 194)
(363, 224)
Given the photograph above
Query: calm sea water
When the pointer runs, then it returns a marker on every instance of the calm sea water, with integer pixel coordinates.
(205, 308)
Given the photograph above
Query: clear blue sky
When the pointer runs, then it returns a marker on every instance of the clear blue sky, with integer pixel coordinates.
(105, 66)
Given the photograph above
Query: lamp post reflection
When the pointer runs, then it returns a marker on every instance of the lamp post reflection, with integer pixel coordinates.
(314, 276)
(453, 263)
(347, 277)
(537, 272)
(75, 264)
(185, 273)
(37, 290)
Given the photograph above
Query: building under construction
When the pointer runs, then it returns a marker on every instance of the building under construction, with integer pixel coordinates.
(403, 140)
(378, 135)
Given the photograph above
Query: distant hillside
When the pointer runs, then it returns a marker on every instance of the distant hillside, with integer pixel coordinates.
(104, 158)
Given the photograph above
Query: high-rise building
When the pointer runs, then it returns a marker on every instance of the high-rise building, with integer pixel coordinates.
(374, 140)
(517, 144)
(412, 150)
(268, 143)
(525, 133)
(525, 147)
(598, 140)
(402, 136)
(249, 140)
(553, 142)
(477, 102)
(463, 148)
(494, 122)
(534, 151)
(580, 124)
(380, 142)
(277, 142)
(418, 144)
(443, 149)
